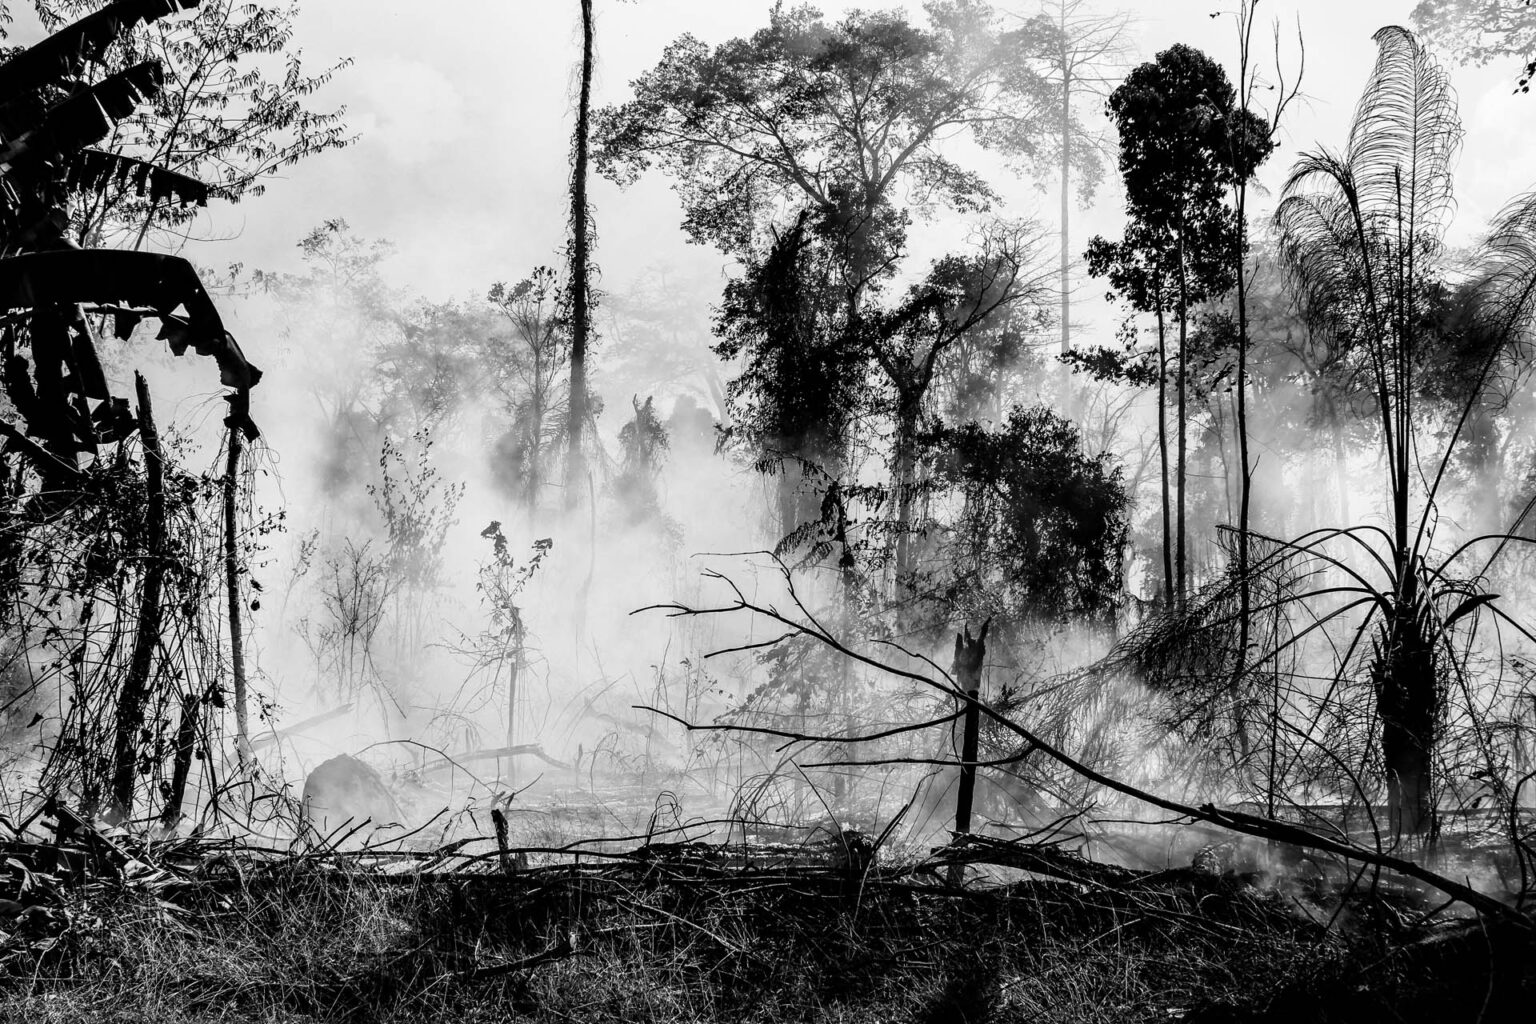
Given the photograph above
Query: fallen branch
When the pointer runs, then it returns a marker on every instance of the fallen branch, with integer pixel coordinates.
(1233, 821)
(494, 753)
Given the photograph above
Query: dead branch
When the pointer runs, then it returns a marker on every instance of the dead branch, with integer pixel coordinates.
(1234, 821)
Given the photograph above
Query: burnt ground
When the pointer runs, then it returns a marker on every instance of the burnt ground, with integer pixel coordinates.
(692, 932)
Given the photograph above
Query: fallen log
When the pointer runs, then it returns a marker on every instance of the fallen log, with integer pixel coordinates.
(494, 753)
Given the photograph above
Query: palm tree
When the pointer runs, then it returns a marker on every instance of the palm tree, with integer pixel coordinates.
(1362, 236)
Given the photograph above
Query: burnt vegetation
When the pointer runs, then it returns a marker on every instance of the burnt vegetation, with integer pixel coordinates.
(858, 636)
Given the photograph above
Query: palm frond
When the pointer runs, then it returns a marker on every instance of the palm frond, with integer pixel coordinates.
(1405, 136)
(1506, 273)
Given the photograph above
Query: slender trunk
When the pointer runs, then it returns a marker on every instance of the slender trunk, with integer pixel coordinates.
(1162, 451)
(1181, 566)
(514, 670)
(906, 484)
(186, 744)
(135, 691)
(1245, 481)
(581, 313)
(535, 450)
(840, 787)
(1339, 468)
(232, 590)
(1067, 400)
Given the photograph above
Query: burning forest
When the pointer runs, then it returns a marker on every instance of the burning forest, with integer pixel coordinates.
(958, 511)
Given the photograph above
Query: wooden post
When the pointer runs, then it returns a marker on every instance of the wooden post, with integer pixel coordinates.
(504, 855)
(969, 654)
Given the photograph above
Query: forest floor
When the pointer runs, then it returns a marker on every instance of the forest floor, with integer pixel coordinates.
(692, 932)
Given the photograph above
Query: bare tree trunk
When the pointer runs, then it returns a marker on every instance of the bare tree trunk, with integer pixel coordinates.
(581, 313)
(135, 691)
(1245, 482)
(1340, 470)
(513, 674)
(232, 587)
(1162, 451)
(1068, 404)
(1181, 564)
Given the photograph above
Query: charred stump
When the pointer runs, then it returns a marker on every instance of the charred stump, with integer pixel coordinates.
(970, 652)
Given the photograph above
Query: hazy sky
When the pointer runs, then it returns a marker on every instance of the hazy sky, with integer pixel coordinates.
(465, 115)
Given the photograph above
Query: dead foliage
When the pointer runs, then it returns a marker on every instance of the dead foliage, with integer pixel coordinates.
(670, 927)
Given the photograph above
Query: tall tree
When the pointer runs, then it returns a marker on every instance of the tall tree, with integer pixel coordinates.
(833, 126)
(959, 297)
(1082, 51)
(1246, 155)
(523, 372)
(1362, 235)
(840, 118)
(1183, 145)
(580, 276)
(801, 384)
(1138, 275)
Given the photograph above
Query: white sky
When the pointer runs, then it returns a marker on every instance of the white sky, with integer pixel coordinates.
(465, 112)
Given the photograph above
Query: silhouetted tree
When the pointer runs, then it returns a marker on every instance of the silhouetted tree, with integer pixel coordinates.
(839, 118)
(1081, 49)
(580, 274)
(1362, 234)
(801, 382)
(1183, 144)
(1041, 525)
(527, 372)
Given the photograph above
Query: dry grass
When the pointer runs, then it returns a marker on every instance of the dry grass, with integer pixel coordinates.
(682, 932)
(657, 943)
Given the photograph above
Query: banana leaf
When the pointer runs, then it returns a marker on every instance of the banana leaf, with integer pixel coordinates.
(94, 169)
(66, 52)
(161, 283)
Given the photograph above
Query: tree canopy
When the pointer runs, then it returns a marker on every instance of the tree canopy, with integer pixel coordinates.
(831, 115)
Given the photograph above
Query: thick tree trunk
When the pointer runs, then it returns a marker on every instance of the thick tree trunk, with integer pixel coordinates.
(135, 690)
(580, 261)
(1408, 701)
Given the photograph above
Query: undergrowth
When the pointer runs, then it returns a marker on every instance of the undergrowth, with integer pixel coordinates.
(300, 943)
